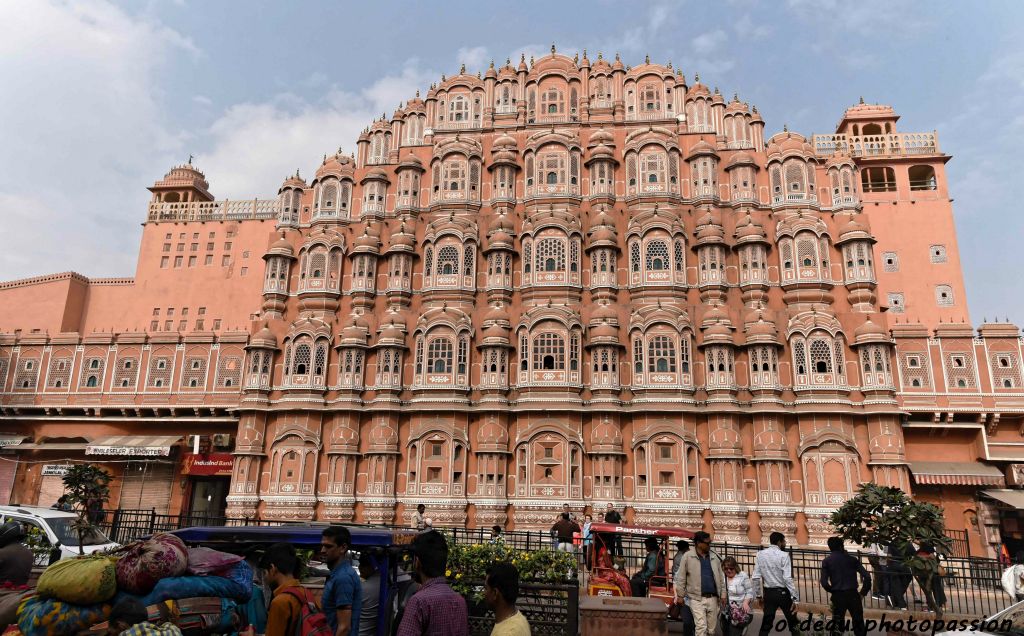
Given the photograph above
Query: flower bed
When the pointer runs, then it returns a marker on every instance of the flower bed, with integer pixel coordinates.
(467, 566)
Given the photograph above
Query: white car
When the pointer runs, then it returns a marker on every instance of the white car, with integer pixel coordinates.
(58, 527)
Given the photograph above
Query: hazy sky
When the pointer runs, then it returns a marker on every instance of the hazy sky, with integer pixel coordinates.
(101, 98)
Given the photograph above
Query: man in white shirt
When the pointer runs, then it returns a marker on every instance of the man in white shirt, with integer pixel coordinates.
(773, 575)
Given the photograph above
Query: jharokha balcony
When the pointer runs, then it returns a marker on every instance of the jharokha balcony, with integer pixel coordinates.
(886, 145)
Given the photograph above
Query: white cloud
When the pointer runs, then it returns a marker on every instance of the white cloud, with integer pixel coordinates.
(708, 43)
(475, 58)
(256, 145)
(86, 132)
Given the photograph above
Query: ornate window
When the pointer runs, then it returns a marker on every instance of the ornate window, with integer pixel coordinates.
(1005, 368)
(859, 266)
(818, 360)
(874, 366)
(915, 370)
(704, 174)
(753, 264)
(944, 295)
(764, 367)
(320, 269)
(555, 259)
(548, 352)
(937, 253)
(960, 367)
(439, 355)
(698, 116)
(601, 179)
(652, 171)
(890, 261)
(458, 109)
(712, 264)
(126, 373)
(661, 359)
(454, 266)
(552, 104)
(306, 362)
(667, 469)
(897, 303)
(59, 372)
(831, 472)
(663, 261)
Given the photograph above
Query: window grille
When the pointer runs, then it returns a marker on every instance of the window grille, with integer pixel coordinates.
(549, 352)
(448, 260)
(937, 253)
(194, 375)
(657, 256)
(439, 355)
(551, 255)
(159, 372)
(661, 355)
(125, 372)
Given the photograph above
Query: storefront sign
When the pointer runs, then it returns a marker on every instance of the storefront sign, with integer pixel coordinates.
(136, 451)
(208, 464)
(55, 470)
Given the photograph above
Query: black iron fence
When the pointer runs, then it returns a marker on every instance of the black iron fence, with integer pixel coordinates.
(552, 610)
(971, 585)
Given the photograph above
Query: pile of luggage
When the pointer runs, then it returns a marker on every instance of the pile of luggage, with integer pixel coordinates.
(200, 590)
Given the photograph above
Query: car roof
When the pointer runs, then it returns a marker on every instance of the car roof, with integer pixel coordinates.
(299, 535)
(36, 511)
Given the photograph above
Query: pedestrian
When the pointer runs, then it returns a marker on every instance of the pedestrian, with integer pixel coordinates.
(1013, 579)
(681, 547)
(568, 511)
(501, 589)
(435, 609)
(638, 583)
(418, 520)
(773, 571)
(898, 574)
(16, 559)
(931, 558)
(343, 593)
(281, 570)
(611, 515)
(588, 541)
(497, 534)
(736, 615)
(129, 617)
(564, 529)
(371, 595)
(700, 584)
(877, 559)
(839, 572)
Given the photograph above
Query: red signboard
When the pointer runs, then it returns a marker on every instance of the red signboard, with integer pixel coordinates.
(208, 464)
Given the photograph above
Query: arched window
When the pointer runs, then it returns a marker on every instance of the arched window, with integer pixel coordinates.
(657, 256)
(439, 355)
(301, 360)
(661, 355)
(551, 255)
(549, 352)
(448, 260)
(922, 178)
(458, 109)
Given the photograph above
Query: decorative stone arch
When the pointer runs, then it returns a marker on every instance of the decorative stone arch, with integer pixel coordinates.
(830, 464)
(293, 462)
(667, 464)
(549, 463)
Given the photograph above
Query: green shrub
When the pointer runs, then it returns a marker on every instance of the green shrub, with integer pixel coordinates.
(467, 566)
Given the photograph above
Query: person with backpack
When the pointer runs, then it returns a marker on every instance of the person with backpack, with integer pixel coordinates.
(292, 604)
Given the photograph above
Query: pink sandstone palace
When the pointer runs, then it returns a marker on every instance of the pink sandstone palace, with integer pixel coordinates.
(566, 280)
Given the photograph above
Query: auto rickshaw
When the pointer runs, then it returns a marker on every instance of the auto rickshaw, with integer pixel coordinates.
(387, 547)
(607, 575)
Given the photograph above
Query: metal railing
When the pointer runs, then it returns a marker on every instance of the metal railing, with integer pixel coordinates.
(971, 585)
(551, 610)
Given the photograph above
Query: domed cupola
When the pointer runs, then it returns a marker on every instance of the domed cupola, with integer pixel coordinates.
(289, 201)
(719, 351)
(390, 349)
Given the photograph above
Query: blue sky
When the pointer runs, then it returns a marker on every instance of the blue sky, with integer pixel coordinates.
(102, 97)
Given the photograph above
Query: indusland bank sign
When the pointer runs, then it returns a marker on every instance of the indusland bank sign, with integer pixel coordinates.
(208, 464)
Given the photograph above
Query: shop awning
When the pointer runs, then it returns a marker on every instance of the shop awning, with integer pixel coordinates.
(956, 474)
(1012, 498)
(55, 446)
(133, 445)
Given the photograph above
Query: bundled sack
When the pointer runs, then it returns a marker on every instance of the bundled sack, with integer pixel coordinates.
(81, 581)
(10, 600)
(234, 583)
(144, 563)
(207, 561)
(40, 616)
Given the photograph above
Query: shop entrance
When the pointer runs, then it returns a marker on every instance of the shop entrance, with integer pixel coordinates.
(209, 496)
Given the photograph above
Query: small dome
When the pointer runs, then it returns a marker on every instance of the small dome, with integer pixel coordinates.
(392, 333)
(263, 339)
(854, 229)
(411, 162)
(740, 159)
(698, 89)
(605, 312)
(505, 140)
(604, 332)
(601, 136)
(496, 332)
(366, 243)
(701, 148)
(335, 165)
(281, 247)
(401, 237)
(717, 313)
(603, 235)
(748, 230)
(870, 331)
(497, 313)
(294, 181)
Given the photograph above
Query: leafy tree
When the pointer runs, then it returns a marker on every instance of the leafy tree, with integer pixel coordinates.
(87, 489)
(887, 516)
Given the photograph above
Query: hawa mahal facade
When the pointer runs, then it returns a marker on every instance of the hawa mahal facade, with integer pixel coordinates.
(566, 280)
